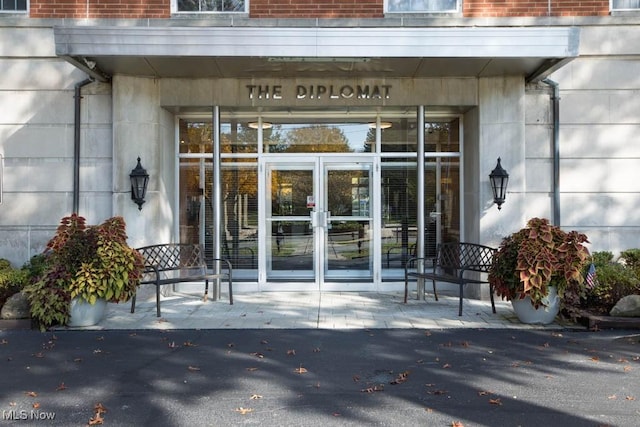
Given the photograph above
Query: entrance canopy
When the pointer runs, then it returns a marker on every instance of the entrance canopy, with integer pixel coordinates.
(270, 52)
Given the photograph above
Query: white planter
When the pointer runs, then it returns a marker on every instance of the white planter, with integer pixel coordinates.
(542, 315)
(85, 314)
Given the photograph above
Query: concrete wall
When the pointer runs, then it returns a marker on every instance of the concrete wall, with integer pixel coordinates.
(36, 141)
(600, 138)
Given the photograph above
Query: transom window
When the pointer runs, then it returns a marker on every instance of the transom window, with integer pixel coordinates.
(13, 5)
(423, 6)
(625, 4)
(210, 5)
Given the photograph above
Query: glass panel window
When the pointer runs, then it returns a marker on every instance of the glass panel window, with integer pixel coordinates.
(625, 4)
(13, 5)
(424, 6)
(318, 138)
(211, 5)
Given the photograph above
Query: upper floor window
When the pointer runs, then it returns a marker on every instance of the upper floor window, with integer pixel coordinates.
(625, 4)
(13, 5)
(423, 6)
(211, 5)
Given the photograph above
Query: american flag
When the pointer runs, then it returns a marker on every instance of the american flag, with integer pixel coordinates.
(591, 278)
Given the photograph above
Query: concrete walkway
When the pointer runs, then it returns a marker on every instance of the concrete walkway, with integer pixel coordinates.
(311, 310)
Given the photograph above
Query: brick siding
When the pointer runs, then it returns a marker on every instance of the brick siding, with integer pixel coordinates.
(159, 9)
(92, 9)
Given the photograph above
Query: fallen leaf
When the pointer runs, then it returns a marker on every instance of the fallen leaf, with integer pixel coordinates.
(36, 405)
(446, 366)
(97, 420)
(495, 401)
(252, 368)
(97, 351)
(484, 393)
(375, 388)
(301, 370)
(630, 398)
(231, 345)
(457, 424)
(99, 408)
(4, 341)
(31, 393)
(465, 344)
(61, 387)
(437, 392)
(100, 338)
(193, 368)
(264, 342)
(355, 378)
(316, 350)
(402, 377)
(189, 344)
(258, 355)
(612, 397)
(256, 396)
(243, 411)
(595, 359)
(172, 344)
(291, 352)
(38, 355)
(336, 414)
(627, 369)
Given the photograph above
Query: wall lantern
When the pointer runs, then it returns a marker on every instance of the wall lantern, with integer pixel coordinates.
(499, 179)
(139, 180)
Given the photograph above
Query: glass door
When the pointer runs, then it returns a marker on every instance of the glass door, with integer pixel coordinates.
(319, 220)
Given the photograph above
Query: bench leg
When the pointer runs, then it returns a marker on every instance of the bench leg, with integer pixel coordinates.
(406, 287)
(206, 290)
(230, 290)
(435, 293)
(493, 304)
(157, 301)
(133, 303)
(461, 297)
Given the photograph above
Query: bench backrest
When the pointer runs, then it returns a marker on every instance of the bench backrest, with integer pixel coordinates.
(464, 256)
(173, 256)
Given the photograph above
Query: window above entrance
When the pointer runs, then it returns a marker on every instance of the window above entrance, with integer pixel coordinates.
(423, 6)
(209, 5)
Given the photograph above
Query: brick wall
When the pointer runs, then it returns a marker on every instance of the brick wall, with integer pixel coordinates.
(100, 9)
(316, 9)
(312, 8)
(532, 8)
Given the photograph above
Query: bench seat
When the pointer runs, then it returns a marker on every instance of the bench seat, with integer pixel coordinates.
(173, 263)
(455, 262)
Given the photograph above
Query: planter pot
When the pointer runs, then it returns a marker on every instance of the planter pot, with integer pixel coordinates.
(85, 314)
(542, 315)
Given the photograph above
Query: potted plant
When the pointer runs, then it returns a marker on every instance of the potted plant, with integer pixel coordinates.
(537, 267)
(85, 267)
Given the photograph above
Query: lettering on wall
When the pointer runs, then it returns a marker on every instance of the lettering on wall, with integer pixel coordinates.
(320, 92)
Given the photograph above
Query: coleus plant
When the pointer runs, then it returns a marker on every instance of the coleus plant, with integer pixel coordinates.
(536, 257)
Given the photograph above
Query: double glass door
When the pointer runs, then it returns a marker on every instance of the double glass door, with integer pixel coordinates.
(319, 220)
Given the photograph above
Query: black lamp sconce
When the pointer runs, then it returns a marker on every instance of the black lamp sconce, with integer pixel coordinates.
(139, 180)
(499, 179)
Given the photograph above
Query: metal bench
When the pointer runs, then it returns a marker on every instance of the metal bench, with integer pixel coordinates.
(452, 264)
(178, 263)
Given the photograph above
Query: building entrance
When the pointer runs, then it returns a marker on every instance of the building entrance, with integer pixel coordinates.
(319, 222)
(302, 201)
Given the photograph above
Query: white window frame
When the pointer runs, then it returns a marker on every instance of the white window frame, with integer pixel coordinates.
(15, 10)
(174, 9)
(612, 7)
(457, 9)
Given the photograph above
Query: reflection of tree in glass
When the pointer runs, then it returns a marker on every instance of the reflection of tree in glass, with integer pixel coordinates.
(312, 139)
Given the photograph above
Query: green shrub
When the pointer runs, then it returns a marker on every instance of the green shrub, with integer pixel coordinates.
(614, 281)
(11, 280)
